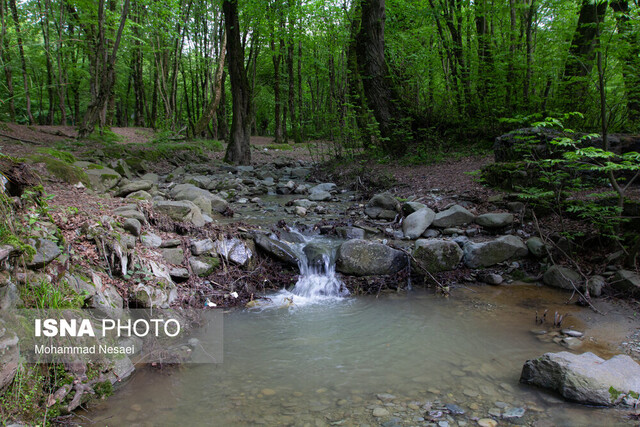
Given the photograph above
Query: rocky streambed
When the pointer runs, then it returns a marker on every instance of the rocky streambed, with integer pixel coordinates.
(213, 235)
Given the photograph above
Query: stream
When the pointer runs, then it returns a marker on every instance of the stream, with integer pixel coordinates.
(316, 356)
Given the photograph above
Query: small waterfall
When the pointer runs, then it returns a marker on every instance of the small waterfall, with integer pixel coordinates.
(317, 263)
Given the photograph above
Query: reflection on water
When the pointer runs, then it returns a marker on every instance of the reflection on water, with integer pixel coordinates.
(337, 363)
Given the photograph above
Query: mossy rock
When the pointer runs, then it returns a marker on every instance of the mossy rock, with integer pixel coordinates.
(61, 169)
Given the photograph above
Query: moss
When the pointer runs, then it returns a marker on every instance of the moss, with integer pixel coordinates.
(283, 147)
(60, 169)
(58, 154)
(95, 166)
(615, 394)
(103, 389)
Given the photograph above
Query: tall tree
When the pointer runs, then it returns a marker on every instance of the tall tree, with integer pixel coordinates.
(6, 62)
(630, 52)
(103, 69)
(25, 76)
(239, 148)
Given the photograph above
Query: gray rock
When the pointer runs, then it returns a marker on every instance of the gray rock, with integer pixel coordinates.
(385, 201)
(495, 220)
(121, 166)
(410, 207)
(9, 356)
(430, 233)
(173, 256)
(375, 212)
(121, 369)
(192, 193)
(562, 277)
(300, 211)
(300, 173)
(595, 285)
(436, 255)
(171, 243)
(140, 195)
(365, 258)
(161, 294)
(276, 249)
(9, 298)
(327, 186)
(199, 247)
(626, 281)
(235, 250)
(151, 240)
(416, 223)
(179, 273)
(132, 187)
(486, 254)
(106, 298)
(46, 251)
(133, 226)
(320, 196)
(132, 213)
(348, 233)
(184, 211)
(491, 278)
(454, 216)
(305, 203)
(151, 177)
(5, 251)
(537, 247)
(102, 179)
(513, 413)
(203, 266)
(584, 378)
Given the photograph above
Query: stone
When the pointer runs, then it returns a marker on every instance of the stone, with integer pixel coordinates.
(102, 179)
(364, 258)
(562, 277)
(121, 166)
(430, 234)
(348, 233)
(416, 223)
(133, 226)
(537, 247)
(626, 281)
(161, 294)
(584, 378)
(121, 369)
(487, 422)
(300, 211)
(491, 278)
(320, 196)
(495, 220)
(9, 297)
(454, 409)
(132, 213)
(203, 266)
(305, 203)
(486, 254)
(380, 412)
(183, 211)
(595, 285)
(300, 173)
(435, 255)
(5, 251)
(278, 250)
(179, 273)
(410, 207)
(324, 187)
(199, 247)
(46, 251)
(153, 178)
(140, 195)
(9, 356)
(106, 298)
(151, 240)
(383, 206)
(132, 187)
(454, 216)
(173, 256)
(235, 250)
(189, 192)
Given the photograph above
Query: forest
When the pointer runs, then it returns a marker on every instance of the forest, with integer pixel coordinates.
(405, 77)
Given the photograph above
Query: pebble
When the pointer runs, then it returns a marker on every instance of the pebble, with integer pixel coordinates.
(495, 412)
(513, 413)
(470, 393)
(572, 333)
(380, 412)
(385, 396)
(487, 422)
(268, 391)
(454, 409)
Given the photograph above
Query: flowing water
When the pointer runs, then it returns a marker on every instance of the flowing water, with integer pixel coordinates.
(328, 359)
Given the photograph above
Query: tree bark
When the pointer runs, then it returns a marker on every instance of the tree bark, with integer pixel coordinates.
(630, 58)
(25, 77)
(239, 148)
(6, 62)
(210, 111)
(275, 58)
(377, 84)
(106, 67)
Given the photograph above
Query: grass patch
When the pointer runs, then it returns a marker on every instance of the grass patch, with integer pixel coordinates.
(58, 154)
(61, 169)
(47, 295)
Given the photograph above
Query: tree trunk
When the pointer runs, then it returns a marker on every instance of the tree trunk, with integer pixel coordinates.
(530, 16)
(210, 111)
(25, 77)
(223, 122)
(630, 57)
(378, 88)
(484, 49)
(97, 109)
(239, 148)
(6, 62)
(582, 54)
(275, 58)
(511, 75)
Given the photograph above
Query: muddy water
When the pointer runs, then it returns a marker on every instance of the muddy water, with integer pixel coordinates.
(404, 356)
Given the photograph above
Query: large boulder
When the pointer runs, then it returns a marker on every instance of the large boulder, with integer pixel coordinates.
(159, 294)
(364, 258)
(584, 378)
(207, 202)
(416, 223)
(495, 220)
(9, 355)
(102, 179)
(235, 250)
(486, 254)
(276, 249)
(383, 206)
(627, 281)
(452, 217)
(436, 255)
(562, 277)
(184, 211)
(132, 187)
(46, 251)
